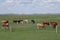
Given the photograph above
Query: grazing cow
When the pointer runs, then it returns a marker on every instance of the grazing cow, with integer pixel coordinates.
(32, 21)
(17, 21)
(25, 21)
(40, 25)
(53, 24)
(46, 23)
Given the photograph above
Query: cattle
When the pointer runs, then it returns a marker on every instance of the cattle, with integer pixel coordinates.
(43, 24)
(53, 24)
(5, 25)
(40, 25)
(32, 21)
(25, 21)
(46, 23)
(17, 21)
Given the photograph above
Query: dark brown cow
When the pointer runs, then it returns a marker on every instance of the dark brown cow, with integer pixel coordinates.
(14, 21)
(53, 24)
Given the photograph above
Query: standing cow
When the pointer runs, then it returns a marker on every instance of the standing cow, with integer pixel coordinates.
(46, 23)
(40, 25)
(25, 21)
(17, 21)
(5, 24)
(53, 24)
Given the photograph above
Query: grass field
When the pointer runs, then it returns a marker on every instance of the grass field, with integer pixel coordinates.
(27, 31)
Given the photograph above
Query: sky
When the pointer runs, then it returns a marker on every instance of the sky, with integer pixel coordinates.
(29, 6)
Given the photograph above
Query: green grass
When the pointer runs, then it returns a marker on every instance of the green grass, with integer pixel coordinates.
(28, 31)
(29, 35)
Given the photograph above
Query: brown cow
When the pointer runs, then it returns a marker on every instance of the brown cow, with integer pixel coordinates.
(46, 23)
(42, 25)
(5, 24)
(53, 24)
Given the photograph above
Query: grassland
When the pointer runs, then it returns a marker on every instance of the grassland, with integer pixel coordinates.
(27, 31)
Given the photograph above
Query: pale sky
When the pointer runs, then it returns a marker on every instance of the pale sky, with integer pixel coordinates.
(29, 6)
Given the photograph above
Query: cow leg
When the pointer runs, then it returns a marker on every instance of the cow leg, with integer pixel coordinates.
(54, 26)
(38, 28)
(10, 28)
(22, 22)
(4, 28)
(44, 27)
(17, 22)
